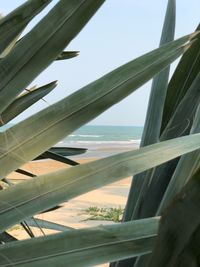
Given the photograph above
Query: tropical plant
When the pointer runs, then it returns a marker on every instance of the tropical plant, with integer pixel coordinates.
(21, 61)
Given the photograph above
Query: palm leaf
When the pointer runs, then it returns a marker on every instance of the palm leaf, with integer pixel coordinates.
(23, 172)
(161, 176)
(57, 157)
(153, 121)
(79, 247)
(152, 126)
(41, 46)
(24, 101)
(64, 117)
(6, 237)
(35, 222)
(14, 23)
(176, 227)
(67, 55)
(68, 151)
(182, 79)
(186, 168)
(28, 198)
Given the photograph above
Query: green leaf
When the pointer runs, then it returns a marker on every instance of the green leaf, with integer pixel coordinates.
(152, 127)
(5, 237)
(34, 222)
(67, 55)
(169, 179)
(60, 154)
(62, 118)
(24, 101)
(187, 166)
(28, 198)
(29, 174)
(52, 209)
(57, 157)
(14, 23)
(85, 247)
(180, 124)
(42, 45)
(68, 151)
(183, 77)
(182, 119)
(179, 229)
(153, 121)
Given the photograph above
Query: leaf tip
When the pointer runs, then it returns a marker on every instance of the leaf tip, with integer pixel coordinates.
(55, 82)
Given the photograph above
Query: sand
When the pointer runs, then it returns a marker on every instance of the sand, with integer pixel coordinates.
(72, 213)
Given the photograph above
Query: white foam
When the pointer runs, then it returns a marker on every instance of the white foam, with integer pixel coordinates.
(85, 135)
(107, 142)
(88, 135)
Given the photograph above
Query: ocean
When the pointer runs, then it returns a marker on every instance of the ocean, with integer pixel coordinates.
(104, 141)
(101, 141)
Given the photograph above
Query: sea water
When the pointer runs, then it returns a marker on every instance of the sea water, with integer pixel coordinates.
(104, 140)
(101, 141)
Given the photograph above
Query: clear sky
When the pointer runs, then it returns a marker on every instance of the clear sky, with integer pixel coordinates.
(119, 32)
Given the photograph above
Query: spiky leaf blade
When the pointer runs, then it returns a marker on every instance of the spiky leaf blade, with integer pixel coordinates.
(153, 119)
(83, 248)
(41, 46)
(28, 198)
(67, 55)
(67, 115)
(24, 101)
(14, 23)
(183, 77)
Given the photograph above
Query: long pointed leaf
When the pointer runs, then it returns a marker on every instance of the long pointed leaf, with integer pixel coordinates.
(67, 55)
(182, 119)
(62, 151)
(14, 23)
(67, 151)
(57, 157)
(29, 174)
(167, 180)
(34, 222)
(6, 237)
(161, 176)
(182, 79)
(151, 132)
(85, 247)
(51, 209)
(185, 169)
(28, 198)
(153, 119)
(41, 46)
(176, 228)
(25, 101)
(67, 115)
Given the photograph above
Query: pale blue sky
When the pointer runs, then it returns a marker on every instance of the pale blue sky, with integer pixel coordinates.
(119, 32)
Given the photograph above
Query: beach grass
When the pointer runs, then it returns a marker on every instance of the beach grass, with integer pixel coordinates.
(105, 214)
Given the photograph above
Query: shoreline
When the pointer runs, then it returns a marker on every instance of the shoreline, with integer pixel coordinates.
(100, 149)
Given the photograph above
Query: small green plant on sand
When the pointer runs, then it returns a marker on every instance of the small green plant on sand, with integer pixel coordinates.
(105, 214)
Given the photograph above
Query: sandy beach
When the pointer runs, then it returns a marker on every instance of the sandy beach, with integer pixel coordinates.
(72, 213)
